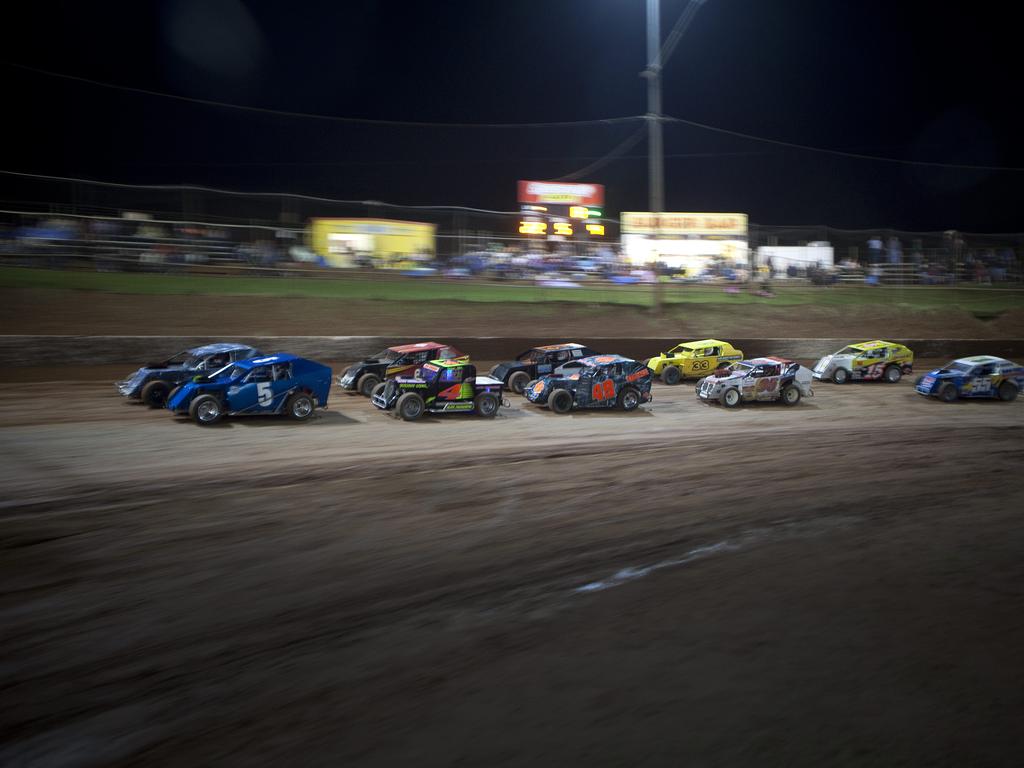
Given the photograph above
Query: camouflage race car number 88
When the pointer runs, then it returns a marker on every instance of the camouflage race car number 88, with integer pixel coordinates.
(604, 390)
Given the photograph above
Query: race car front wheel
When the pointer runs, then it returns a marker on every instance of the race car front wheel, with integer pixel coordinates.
(410, 406)
(1007, 391)
(367, 383)
(560, 401)
(731, 398)
(206, 410)
(154, 394)
(947, 393)
(840, 376)
(893, 374)
(300, 406)
(671, 375)
(629, 399)
(517, 382)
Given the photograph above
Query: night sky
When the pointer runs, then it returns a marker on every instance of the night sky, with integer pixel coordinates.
(925, 82)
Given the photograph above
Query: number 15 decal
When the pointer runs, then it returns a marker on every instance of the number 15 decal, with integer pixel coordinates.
(263, 393)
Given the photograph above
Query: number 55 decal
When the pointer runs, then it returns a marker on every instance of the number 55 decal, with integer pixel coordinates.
(263, 393)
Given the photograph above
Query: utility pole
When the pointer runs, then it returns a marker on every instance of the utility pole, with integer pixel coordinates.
(655, 154)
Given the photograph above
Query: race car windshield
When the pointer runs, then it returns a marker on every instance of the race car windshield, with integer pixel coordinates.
(531, 356)
(849, 351)
(388, 356)
(182, 357)
(683, 348)
(739, 368)
(229, 371)
(956, 367)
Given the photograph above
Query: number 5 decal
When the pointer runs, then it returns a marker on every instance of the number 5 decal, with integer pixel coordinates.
(263, 393)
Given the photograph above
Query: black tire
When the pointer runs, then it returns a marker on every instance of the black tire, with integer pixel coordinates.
(671, 375)
(379, 389)
(730, 398)
(410, 407)
(892, 374)
(300, 406)
(560, 401)
(629, 399)
(947, 393)
(155, 393)
(486, 405)
(206, 410)
(790, 395)
(1007, 391)
(367, 383)
(840, 376)
(517, 382)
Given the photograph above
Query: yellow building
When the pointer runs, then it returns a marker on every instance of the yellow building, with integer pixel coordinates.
(391, 244)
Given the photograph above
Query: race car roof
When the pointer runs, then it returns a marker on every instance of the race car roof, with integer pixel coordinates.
(768, 361)
(418, 347)
(454, 362)
(866, 345)
(704, 343)
(598, 360)
(979, 359)
(282, 357)
(221, 346)
(556, 347)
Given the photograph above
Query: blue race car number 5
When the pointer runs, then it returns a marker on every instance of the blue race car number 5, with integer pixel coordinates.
(264, 394)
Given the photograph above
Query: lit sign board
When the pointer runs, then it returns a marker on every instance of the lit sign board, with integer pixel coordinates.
(563, 228)
(697, 224)
(578, 212)
(560, 193)
(533, 227)
(595, 229)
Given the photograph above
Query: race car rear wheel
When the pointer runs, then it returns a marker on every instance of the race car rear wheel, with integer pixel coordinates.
(486, 405)
(629, 399)
(790, 395)
(206, 410)
(410, 406)
(1007, 391)
(300, 406)
(379, 389)
(155, 393)
(947, 393)
(560, 401)
(367, 383)
(892, 374)
(840, 376)
(730, 398)
(671, 375)
(517, 382)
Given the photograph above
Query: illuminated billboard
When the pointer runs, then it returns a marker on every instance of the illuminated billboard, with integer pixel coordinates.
(726, 225)
(561, 193)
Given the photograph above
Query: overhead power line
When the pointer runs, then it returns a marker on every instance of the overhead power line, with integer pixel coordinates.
(239, 193)
(624, 146)
(327, 118)
(839, 152)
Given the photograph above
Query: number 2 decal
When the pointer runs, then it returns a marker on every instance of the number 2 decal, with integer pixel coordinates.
(604, 390)
(263, 393)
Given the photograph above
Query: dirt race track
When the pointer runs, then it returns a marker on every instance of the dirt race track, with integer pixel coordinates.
(840, 583)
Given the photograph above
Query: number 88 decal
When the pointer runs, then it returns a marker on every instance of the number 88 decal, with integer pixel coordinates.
(604, 390)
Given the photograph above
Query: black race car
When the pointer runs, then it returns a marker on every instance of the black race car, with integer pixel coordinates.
(364, 376)
(603, 381)
(540, 361)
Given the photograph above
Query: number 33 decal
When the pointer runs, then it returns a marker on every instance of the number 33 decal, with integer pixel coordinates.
(263, 393)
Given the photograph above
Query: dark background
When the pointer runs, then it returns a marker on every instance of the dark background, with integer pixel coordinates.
(914, 81)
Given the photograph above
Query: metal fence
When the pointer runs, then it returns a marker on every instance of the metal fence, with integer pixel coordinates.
(62, 223)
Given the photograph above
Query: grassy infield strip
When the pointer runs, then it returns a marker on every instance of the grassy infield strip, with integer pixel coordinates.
(978, 300)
